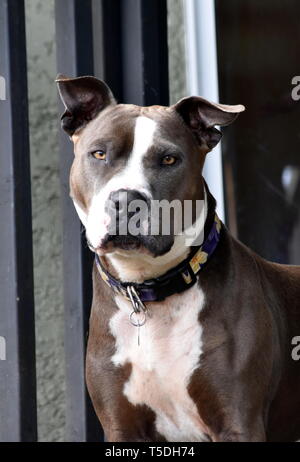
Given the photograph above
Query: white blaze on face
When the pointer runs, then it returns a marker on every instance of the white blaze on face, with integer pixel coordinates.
(81, 213)
(96, 221)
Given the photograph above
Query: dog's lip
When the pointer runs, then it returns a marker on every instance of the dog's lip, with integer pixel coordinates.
(127, 244)
(122, 242)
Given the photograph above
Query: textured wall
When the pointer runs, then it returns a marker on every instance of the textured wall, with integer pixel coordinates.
(46, 218)
(177, 74)
(46, 206)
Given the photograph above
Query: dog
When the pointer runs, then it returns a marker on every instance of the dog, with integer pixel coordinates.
(187, 343)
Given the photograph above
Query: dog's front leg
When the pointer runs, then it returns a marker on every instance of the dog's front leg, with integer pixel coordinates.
(117, 431)
(119, 436)
(121, 420)
(242, 434)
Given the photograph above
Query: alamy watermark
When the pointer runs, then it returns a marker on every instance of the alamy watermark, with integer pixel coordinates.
(2, 349)
(296, 349)
(154, 218)
(2, 88)
(296, 89)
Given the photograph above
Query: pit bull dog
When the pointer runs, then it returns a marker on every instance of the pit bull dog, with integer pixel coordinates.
(186, 343)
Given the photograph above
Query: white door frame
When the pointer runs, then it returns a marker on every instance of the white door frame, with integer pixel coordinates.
(202, 78)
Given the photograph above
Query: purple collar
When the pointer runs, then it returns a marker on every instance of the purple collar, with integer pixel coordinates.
(176, 280)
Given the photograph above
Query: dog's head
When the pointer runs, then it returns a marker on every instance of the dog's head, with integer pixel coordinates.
(128, 158)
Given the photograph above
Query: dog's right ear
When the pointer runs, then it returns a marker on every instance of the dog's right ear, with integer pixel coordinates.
(84, 98)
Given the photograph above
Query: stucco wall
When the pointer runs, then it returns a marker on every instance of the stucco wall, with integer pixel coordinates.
(46, 201)
(46, 218)
(177, 74)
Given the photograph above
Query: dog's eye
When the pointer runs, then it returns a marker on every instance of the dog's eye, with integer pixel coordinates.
(100, 155)
(169, 160)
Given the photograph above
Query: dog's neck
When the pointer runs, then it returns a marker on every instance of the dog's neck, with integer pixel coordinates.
(137, 267)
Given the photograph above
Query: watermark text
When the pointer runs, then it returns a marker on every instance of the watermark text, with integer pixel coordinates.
(296, 349)
(296, 89)
(155, 218)
(2, 88)
(2, 349)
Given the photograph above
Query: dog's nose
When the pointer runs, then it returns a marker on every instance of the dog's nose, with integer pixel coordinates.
(121, 200)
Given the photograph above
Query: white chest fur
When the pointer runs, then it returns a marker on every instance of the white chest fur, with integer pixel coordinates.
(163, 363)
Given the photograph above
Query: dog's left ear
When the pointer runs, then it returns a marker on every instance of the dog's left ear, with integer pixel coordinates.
(84, 98)
(202, 115)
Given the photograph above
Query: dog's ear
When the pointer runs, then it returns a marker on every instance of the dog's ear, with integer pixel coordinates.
(83, 98)
(201, 116)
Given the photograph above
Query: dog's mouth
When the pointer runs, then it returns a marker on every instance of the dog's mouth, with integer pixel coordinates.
(150, 245)
(126, 242)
